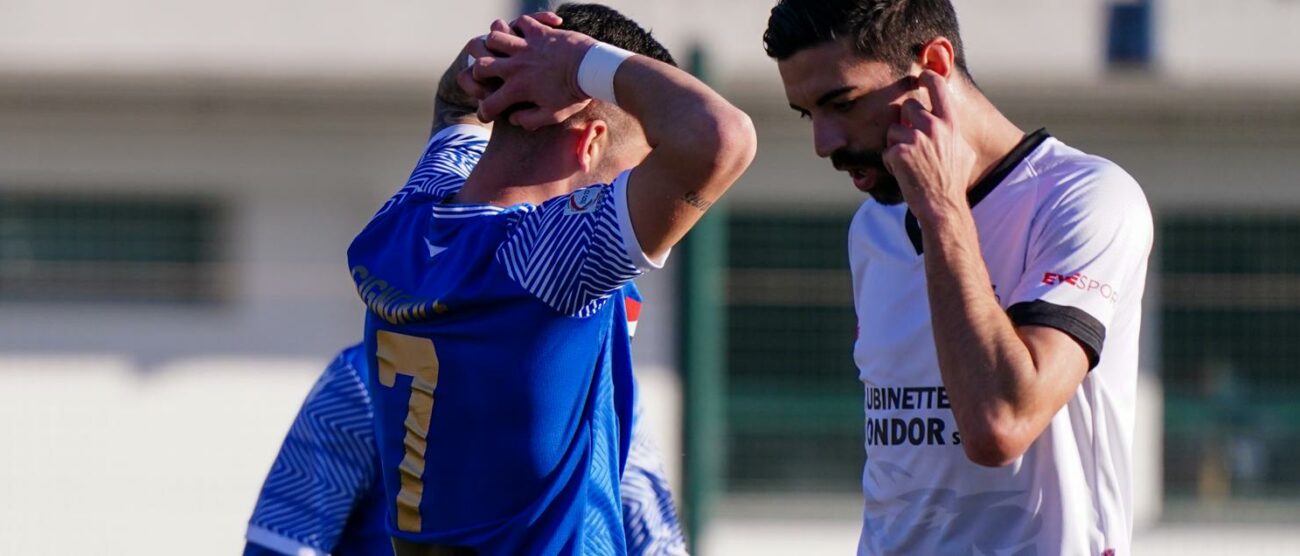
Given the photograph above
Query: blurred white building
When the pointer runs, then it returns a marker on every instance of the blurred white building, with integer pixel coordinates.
(179, 181)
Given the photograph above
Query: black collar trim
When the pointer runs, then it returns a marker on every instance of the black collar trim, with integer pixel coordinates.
(990, 182)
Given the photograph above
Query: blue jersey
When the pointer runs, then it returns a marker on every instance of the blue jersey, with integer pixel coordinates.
(324, 494)
(491, 340)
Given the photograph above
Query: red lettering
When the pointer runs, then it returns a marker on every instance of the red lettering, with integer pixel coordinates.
(1084, 283)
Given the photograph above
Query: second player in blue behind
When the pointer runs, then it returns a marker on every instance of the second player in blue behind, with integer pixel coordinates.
(502, 422)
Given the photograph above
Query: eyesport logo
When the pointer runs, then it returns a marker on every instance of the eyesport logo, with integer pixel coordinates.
(1083, 282)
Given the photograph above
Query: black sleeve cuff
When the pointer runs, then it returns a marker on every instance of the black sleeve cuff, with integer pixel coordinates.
(1088, 331)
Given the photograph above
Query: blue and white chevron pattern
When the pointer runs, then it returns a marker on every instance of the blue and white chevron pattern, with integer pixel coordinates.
(447, 162)
(328, 461)
(649, 516)
(602, 518)
(569, 253)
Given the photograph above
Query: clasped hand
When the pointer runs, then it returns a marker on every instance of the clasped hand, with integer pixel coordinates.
(526, 71)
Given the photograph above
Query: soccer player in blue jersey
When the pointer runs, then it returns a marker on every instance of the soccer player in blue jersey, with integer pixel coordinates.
(324, 494)
(502, 423)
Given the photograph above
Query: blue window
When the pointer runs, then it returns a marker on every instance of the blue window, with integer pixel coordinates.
(1129, 43)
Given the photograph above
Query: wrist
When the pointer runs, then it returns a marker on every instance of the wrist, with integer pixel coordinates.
(940, 213)
(595, 75)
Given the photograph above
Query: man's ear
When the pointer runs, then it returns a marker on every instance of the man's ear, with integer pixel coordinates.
(593, 143)
(939, 56)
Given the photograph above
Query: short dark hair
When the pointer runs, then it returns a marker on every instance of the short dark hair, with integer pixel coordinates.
(889, 31)
(607, 25)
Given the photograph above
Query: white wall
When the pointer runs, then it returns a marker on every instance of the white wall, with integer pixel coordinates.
(1209, 42)
(1196, 41)
(106, 460)
(295, 191)
(245, 37)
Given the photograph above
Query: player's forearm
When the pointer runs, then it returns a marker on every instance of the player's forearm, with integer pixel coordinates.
(987, 370)
(452, 105)
(706, 141)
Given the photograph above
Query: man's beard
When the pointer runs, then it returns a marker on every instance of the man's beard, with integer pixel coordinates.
(885, 190)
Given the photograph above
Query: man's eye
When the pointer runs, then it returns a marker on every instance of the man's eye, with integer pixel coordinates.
(842, 106)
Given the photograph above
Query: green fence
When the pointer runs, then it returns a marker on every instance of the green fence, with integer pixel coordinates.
(1230, 357)
(794, 402)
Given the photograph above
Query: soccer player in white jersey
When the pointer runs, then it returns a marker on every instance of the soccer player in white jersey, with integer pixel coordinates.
(998, 280)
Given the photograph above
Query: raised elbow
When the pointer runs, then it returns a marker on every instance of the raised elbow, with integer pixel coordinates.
(743, 137)
(994, 444)
(734, 141)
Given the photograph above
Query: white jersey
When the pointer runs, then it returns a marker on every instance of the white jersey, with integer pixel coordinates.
(1065, 237)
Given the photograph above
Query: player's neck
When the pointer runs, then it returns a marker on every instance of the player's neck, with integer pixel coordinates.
(507, 176)
(989, 133)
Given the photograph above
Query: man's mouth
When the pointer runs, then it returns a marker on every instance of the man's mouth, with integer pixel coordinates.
(863, 178)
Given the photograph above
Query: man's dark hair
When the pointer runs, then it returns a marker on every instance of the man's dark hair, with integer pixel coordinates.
(608, 26)
(889, 31)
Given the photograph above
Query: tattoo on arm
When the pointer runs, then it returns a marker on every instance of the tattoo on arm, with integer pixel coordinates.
(447, 112)
(693, 199)
(452, 105)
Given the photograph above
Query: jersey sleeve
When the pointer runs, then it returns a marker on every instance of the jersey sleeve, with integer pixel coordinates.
(327, 463)
(650, 521)
(1088, 248)
(576, 250)
(449, 157)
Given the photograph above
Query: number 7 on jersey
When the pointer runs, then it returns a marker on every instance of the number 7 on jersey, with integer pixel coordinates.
(412, 356)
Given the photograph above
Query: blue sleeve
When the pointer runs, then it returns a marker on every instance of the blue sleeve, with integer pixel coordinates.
(574, 251)
(325, 466)
(447, 161)
(254, 549)
(649, 515)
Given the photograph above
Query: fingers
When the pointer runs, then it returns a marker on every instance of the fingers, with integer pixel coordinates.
(940, 97)
(901, 135)
(892, 157)
(529, 27)
(914, 115)
(513, 77)
(900, 139)
(499, 25)
(504, 43)
(471, 87)
(491, 67)
(497, 103)
(537, 117)
(477, 47)
(549, 19)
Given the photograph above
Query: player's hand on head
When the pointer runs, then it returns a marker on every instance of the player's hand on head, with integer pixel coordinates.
(530, 73)
(549, 19)
(927, 153)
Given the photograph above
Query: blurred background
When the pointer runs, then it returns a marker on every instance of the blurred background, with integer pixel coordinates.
(179, 180)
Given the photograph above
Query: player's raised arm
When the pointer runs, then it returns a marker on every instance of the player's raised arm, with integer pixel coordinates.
(451, 104)
(700, 142)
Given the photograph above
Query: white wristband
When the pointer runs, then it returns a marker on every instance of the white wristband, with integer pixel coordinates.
(596, 72)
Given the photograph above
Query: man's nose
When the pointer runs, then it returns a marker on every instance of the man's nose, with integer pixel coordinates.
(827, 138)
